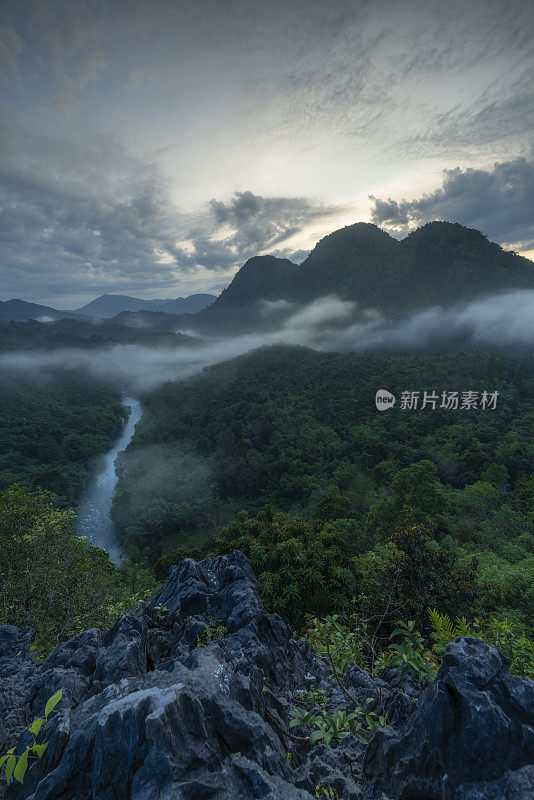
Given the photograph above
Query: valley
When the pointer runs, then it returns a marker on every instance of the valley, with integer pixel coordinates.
(276, 410)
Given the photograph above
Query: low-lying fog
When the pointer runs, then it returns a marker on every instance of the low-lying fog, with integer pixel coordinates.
(326, 324)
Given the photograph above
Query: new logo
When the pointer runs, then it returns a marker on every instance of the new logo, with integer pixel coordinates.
(384, 400)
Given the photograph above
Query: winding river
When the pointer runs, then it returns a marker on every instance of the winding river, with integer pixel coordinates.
(94, 510)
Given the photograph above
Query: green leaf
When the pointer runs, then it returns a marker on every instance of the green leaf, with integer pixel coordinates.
(39, 749)
(10, 766)
(4, 758)
(22, 766)
(36, 726)
(52, 702)
(316, 735)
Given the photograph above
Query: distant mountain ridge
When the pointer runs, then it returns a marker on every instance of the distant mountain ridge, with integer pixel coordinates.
(103, 307)
(21, 311)
(441, 263)
(109, 305)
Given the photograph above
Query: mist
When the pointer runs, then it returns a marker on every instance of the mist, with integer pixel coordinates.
(327, 324)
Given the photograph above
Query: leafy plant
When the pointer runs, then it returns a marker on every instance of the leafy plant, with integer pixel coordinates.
(312, 698)
(444, 630)
(410, 656)
(382, 660)
(339, 724)
(326, 790)
(302, 716)
(16, 766)
(331, 726)
(506, 636)
(342, 645)
(511, 641)
(161, 612)
(211, 634)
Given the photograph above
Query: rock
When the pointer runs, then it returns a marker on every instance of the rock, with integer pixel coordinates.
(471, 737)
(147, 714)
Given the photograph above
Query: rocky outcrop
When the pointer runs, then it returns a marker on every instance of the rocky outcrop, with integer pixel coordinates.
(471, 737)
(147, 714)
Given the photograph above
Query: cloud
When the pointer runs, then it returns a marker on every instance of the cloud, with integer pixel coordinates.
(90, 217)
(268, 307)
(249, 224)
(504, 320)
(327, 324)
(497, 201)
(284, 102)
(12, 46)
(81, 218)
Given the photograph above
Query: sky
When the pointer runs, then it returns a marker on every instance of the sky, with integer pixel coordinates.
(151, 148)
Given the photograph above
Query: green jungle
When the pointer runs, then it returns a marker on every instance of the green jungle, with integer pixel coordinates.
(352, 519)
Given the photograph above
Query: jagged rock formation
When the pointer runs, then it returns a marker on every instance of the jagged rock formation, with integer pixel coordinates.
(471, 737)
(148, 715)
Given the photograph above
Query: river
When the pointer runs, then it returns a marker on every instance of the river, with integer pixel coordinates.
(94, 510)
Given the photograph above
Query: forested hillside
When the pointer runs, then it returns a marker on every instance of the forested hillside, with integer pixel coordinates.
(299, 430)
(33, 335)
(439, 263)
(53, 427)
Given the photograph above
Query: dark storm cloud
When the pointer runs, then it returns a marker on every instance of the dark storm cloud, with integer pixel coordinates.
(249, 224)
(96, 218)
(79, 214)
(259, 222)
(499, 202)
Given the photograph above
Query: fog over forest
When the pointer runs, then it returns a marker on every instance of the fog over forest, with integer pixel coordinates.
(503, 320)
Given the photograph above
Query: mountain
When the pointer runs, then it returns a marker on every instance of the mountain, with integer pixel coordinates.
(104, 307)
(260, 278)
(109, 305)
(256, 297)
(353, 262)
(440, 263)
(185, 305)
(21, 311)
(445, 263)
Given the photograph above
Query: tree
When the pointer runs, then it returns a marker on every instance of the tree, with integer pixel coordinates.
(417, 575)
(301, 565)
(417, 487)
(51, 579)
